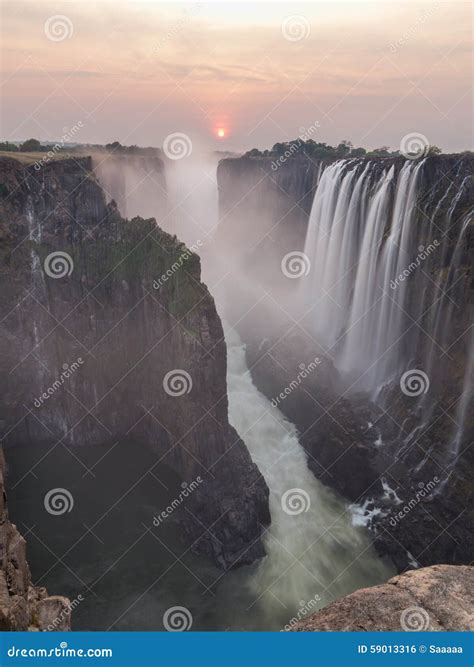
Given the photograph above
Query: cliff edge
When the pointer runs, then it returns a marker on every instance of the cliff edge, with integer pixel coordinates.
(435, 598)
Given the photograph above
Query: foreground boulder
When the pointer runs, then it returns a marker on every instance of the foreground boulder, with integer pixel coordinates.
(434, 598)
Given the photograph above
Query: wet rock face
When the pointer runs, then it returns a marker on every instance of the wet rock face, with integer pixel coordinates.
(22, 605)
(437, 598)
(353, 445)
(127, 344)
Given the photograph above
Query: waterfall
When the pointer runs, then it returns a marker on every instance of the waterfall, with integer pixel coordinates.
(314, 555)
(385, 269)
(358, 241)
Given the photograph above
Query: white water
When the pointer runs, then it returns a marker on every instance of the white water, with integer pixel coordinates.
(361, 237)
(358, 241)
(318, 554)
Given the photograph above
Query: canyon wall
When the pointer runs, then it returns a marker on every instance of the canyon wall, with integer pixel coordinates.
(109, 335)
(381, 448)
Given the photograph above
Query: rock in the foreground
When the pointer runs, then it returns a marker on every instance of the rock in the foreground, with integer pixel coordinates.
(434, 598)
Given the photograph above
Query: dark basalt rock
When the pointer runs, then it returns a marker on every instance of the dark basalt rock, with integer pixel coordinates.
(129, 330)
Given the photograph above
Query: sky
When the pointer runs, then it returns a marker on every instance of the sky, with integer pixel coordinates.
(370, 72)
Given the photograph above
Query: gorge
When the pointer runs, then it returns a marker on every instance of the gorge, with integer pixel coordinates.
(302, 493)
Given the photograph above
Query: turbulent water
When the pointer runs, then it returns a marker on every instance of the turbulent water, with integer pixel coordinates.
(314, 551)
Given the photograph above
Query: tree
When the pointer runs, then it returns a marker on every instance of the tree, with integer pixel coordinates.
(8, 147)
(114, 146)
(30, 145)
(344, 148)
(383, 151)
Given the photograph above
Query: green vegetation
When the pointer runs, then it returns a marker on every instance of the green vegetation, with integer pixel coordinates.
(7, 147)
(314, 149)
(35, 146)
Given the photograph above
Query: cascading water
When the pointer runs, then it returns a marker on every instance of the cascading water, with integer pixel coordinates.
(358, 240)
(368, 237)
(316, 554)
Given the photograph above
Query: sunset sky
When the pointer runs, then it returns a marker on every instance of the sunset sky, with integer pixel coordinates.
(370, 72)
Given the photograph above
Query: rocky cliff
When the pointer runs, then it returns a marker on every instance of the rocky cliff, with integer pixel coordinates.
(22, 605)
(109, 335)
(437, 598)
(341, 430)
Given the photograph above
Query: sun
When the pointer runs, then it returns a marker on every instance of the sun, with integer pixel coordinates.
(221, 133)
